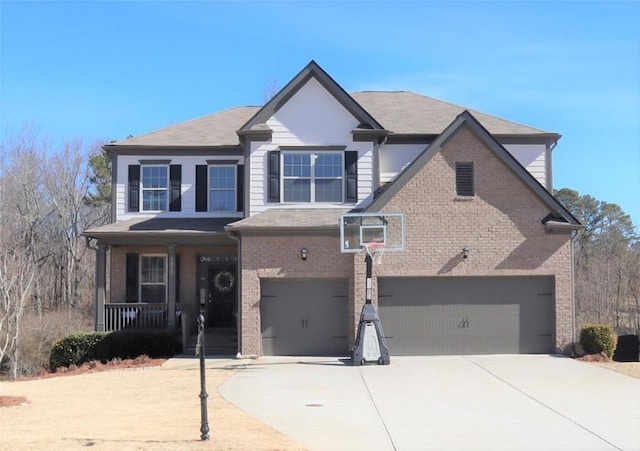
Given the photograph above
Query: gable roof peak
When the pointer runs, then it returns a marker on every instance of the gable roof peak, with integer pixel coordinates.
(466, 119)
(311, 70)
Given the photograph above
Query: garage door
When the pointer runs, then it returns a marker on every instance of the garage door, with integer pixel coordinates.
(467, 315)
(304, 317)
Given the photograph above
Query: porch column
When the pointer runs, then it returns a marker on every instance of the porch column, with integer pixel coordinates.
(101, 281)
(171, 308)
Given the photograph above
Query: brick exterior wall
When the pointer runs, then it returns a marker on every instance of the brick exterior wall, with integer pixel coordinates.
(501, 225)
(272, 257)
(187, 272)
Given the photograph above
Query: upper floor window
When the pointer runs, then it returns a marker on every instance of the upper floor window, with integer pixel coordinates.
(155, 186)
(222, 188)
(155, 183)
(219, 186)
(312, 177)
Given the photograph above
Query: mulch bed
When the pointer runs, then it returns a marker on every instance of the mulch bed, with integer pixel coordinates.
(601, 357)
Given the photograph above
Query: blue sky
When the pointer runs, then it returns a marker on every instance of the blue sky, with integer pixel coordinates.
(104, 70)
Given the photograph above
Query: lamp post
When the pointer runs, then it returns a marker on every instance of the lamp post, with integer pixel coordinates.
(204, 427)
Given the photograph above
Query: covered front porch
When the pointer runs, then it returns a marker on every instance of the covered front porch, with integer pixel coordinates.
(158, 273)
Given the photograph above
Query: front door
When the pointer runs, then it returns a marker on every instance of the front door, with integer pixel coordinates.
(222, 305)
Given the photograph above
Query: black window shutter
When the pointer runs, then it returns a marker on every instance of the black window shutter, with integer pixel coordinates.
(464, 179)
(274, 176)
(351, 176)
(134, 187)
(201, 187)
(132, 277)
(240, 188)
(175, 183)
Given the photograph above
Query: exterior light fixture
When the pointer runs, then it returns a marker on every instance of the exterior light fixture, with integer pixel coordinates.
(465, 252)
(303, 253)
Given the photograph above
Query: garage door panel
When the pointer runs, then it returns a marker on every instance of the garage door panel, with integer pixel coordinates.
(304, 317)
(471, 315)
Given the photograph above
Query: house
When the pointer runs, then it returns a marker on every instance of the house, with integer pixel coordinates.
(239, 212)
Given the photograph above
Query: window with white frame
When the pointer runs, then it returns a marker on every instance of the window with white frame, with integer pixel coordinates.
(222, 187)
(153, 278)
(312, 176)
(155, 182)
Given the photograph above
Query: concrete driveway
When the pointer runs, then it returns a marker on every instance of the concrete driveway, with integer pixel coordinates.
(492, 402)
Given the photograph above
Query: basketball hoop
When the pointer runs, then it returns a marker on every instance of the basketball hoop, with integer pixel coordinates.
(375, 250)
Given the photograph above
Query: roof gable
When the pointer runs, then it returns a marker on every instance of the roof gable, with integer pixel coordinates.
(466, 119)
(311, 70)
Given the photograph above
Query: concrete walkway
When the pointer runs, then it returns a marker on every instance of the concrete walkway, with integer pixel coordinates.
(418, 403)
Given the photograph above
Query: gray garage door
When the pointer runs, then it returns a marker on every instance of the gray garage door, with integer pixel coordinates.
(467, 315)
(304, 317)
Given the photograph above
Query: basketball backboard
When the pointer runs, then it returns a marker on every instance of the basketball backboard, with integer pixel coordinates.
(359, 229)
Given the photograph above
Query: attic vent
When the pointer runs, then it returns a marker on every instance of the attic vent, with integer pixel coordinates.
(464, 179)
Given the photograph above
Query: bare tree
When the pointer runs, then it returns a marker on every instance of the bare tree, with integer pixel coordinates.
(17, 272)
(45, 203)
(67, 182)
(269, 90)
(17, 275)
(607, 265)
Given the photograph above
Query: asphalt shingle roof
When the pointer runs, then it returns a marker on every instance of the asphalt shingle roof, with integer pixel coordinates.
(218, 129)
(146, 225)
(405, 112)
(401, 112)
(291, 218)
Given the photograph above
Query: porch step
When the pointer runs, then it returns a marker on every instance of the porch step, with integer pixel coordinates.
(216, 342)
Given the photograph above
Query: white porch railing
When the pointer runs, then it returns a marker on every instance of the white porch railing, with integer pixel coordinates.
(122, 316)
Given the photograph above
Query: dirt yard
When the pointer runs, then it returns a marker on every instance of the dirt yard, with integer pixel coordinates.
(139, 408)
(142, 406)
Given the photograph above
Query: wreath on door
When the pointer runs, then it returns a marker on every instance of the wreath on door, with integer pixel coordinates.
(224, 281)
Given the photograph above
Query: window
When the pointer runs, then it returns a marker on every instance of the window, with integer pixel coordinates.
(155, 181)
(464, 179)
(222, 188)
(312, 177)
(153, 278)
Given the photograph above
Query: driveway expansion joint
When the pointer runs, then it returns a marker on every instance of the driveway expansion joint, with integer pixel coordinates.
(537, 401)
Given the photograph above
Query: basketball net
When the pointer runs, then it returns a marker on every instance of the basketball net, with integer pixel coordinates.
(375, 251)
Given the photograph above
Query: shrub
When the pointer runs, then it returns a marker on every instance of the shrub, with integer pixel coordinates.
(75, 349)
(131, 344)
(597, 338)
(80, 348)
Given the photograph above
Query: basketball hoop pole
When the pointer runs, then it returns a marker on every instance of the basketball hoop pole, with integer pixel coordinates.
(369, 262)
(370, 345)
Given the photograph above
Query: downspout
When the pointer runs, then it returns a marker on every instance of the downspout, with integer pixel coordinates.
(376, 163)
(549, 165)
(114, 185)
(574, 325)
